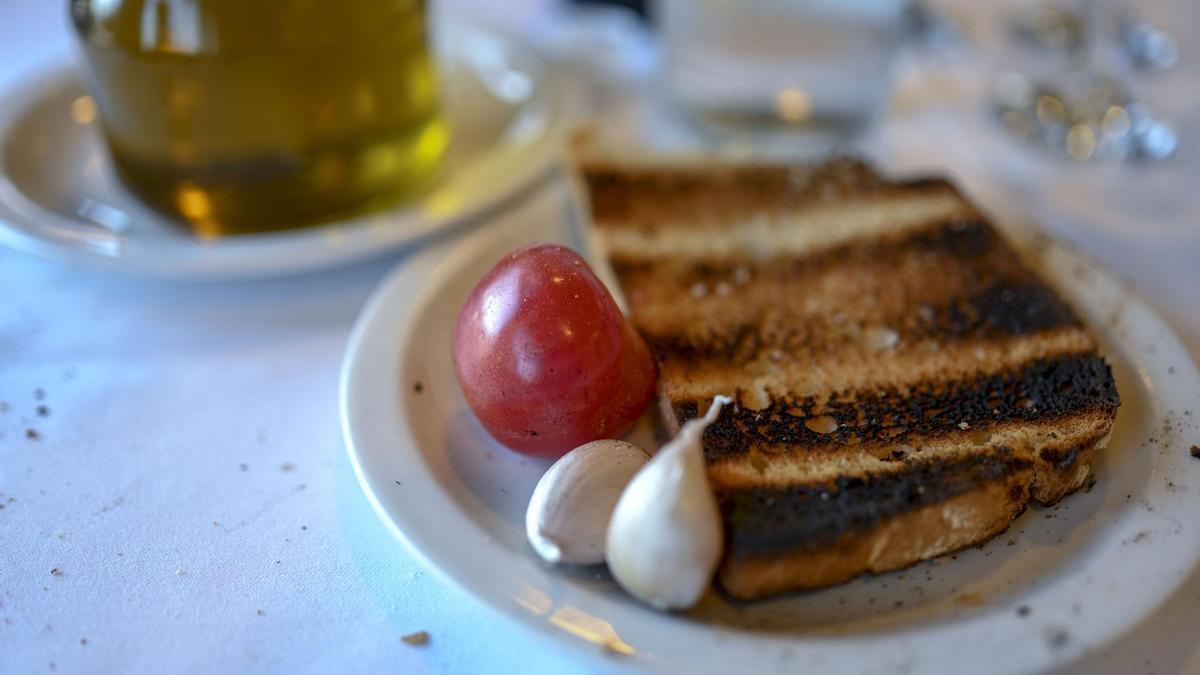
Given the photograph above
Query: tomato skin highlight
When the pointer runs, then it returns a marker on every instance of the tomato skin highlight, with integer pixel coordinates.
(546, 359)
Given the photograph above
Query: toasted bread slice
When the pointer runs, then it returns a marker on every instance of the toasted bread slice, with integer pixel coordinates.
(905, 383)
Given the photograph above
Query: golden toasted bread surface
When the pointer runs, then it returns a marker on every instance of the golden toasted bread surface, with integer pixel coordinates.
(904, 382)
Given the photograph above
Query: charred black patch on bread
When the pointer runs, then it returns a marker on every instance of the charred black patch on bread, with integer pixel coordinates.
(982, 291)
(1007, 307)
(1061, 458)
(767, 520)
(1037, 391)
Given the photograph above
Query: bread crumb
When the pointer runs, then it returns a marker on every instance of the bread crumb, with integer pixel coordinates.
(417, 639)
(757, 460)
(757, 397)
(1138, 538)
(1089, 483)
(879, 339)
(823, 424)
(892, 453)
(1057, 636)
(970, 600)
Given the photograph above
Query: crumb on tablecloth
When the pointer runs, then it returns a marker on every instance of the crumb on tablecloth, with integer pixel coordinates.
(417, 639)
(1057, 637)
(970, 600)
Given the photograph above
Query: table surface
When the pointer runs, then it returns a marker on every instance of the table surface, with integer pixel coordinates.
(187, 504)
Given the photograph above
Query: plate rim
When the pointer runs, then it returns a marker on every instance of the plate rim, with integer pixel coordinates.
(22, 218)
(469, 249)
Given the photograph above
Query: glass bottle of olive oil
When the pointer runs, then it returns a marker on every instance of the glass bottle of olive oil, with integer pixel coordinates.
(241, 116)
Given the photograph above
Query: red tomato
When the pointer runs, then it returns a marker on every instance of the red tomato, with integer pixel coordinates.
(545, 358)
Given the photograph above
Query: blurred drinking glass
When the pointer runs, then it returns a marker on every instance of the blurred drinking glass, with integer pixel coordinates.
(810, 71)
(249, 115)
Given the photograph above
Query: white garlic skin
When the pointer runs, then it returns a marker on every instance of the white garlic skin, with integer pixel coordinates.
(568, 514)
(666, 538)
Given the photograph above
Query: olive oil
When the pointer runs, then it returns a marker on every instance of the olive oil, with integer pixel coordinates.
(241, 116)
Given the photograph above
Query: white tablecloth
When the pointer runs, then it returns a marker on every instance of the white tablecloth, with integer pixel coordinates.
(174, 494)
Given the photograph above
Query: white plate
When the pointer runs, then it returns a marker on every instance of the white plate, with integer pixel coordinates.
(59, 198)
(1087, 571)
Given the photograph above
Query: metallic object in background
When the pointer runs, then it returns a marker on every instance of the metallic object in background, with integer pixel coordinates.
(1052, 26)
(1146, 45)
(1083, 107)
(1074, 29)
(1091, 118)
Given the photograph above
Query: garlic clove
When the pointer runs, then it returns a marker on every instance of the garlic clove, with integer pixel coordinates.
(666, 538)
(568, 514)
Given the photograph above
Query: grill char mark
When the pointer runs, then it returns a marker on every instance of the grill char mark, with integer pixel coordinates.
(1039, 390)
(764, 521)
(1000, 298)
(1007, 309)
(650, 198)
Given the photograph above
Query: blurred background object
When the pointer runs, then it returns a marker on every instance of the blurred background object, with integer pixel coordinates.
(1077, 97)
(807, 72)
(240, 116)
(1074, 27)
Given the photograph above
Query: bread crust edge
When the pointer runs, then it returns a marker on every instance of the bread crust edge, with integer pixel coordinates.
(903, 540)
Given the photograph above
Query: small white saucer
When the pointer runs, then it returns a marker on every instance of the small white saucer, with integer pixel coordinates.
(59, 198)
